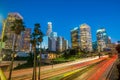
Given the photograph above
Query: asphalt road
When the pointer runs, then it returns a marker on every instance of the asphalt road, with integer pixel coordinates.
(49, 71)
(98, 71)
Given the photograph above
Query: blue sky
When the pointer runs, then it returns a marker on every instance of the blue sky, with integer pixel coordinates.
(67, 14)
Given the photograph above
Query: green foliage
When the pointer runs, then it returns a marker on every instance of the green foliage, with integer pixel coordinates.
(36, 39)
(17, 27)
(37, 35)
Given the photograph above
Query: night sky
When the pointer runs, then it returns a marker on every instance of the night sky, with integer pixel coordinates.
(67, 14)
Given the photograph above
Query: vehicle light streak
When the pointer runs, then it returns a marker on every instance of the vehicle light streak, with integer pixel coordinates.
(98, 74)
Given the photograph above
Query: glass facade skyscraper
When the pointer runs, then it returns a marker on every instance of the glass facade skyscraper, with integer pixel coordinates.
(52, 41)
(81, 38)
(102, 39)
(75, 37)
(85, 38)
(49, 29)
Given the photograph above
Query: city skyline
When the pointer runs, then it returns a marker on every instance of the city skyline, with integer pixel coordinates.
(65, 15)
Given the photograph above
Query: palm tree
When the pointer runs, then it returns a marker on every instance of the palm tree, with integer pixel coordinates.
(36, 38)
(40, 39)
(16, 28)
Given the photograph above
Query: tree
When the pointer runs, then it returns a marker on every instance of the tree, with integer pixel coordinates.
(36, 39)
(17, 27)
(118, 48)
(40, 39)
(118, 65)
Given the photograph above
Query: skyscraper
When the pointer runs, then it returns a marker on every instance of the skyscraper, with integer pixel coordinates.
(75, 37)
(45, 42)
(85, 38)
(62, 44)
(10, 35)
(59, 44)
(102, 39)
(52, 41)
(49, 29)
(66, 44)
(25, 42)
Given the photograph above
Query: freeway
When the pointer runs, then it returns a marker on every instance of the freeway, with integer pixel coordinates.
(97, 71)
(48, 71)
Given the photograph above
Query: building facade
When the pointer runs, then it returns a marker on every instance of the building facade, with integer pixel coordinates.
(49, 29)
(52, 41)
(45, 42)
(102, 39)
(75, 38)
(59, 44)
(25, 42)
(10, 35)
(62, 44)
(66, 44)
(85, 38)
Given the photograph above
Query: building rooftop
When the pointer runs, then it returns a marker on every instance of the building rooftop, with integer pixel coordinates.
(101, 30)
(15, 14)
(74, 29)
(84, 26)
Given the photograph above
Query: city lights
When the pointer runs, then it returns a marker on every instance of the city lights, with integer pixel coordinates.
(59, 40)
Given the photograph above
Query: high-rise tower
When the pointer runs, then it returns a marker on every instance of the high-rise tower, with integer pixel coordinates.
(26, 40)
(102, 39)
(85, 38)
(10, 35)
(75, 37)
(49, 29)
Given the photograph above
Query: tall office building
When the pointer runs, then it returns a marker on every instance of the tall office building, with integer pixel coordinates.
(66, 44)
(102, 39)
(59, 44)
(85, 38)
(52, 40)
(75, 37)
(45, 42)
(49, 28)
(62, 44)
(25, 42)
(10, 35)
